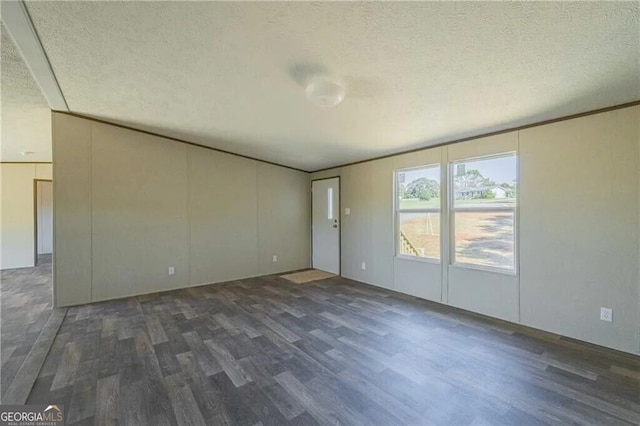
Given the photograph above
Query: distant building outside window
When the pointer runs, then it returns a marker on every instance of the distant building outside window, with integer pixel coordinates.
(483, 211)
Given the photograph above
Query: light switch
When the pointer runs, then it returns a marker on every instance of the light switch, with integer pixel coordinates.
(347, 211)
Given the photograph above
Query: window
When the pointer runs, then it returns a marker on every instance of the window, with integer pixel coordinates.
(418, 212)
(483, 205)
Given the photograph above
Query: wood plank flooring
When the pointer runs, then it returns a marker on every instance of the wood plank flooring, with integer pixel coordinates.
(267, 351)
(28, 325)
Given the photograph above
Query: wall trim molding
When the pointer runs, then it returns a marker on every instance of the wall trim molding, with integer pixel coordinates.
(451, 142)
(26, 162)
(146, 132)
(484, 135)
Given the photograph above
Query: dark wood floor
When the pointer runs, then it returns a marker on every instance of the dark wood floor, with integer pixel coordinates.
(267, 351)
(28, 327)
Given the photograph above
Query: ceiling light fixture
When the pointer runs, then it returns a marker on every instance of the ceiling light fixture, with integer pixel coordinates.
(324, 92)
(27, 152)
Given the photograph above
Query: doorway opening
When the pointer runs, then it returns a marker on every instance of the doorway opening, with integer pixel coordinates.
(325, 224)
(43, 221)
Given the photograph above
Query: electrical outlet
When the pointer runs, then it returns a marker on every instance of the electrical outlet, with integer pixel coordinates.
(172, 270)
(275, 258)
(364, 266)
(606, 314)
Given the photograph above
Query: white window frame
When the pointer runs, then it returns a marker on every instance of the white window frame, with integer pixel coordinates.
(398, 210)
(453, 210)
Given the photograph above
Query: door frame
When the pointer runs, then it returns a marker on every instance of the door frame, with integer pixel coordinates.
(339, 220)
(35, 218)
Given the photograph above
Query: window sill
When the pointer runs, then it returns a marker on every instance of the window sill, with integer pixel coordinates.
(418, 259)
(471, 266)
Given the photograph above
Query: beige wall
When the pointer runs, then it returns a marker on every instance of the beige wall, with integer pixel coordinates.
(17, 213)
(578, 222)
(138, 213)
(578, 226)
(223, 205)
(72, 232)
(130, 205)
(579, 219)
(284, 219)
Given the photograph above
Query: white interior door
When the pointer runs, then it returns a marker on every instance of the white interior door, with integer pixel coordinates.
(44, 199)
(326, 224)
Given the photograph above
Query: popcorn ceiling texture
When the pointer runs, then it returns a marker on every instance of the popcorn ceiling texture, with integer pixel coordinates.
(230, 74)
(25, 118)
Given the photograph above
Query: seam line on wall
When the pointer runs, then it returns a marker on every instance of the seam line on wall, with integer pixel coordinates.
(53, 204)
(188, 205)
(445, 226)
(91, 207)
(638, 165)
(258, 233)
(518, 235)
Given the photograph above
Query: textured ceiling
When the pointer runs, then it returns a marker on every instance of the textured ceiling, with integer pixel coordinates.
(25, 118)
(229, 74)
